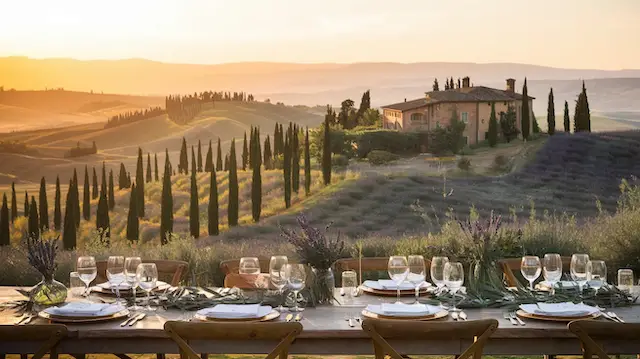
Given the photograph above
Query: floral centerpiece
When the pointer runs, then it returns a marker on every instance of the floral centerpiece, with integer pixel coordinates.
(42, 256)
(318, 251)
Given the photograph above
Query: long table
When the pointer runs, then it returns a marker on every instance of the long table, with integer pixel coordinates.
(326, 331)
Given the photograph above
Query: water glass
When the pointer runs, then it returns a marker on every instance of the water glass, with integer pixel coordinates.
(437, 271)
(552, 270)
(249, 265)
(416, 273)
(87, 270)
(398, 269)
(596, 274)
(115, 274)
(349, 284)
(579, 269)
(296, 275)
(453, 279)
(147, 277)
(625, 279)
(530, 269)
(76, 286)
(130, 267)
(278, 276)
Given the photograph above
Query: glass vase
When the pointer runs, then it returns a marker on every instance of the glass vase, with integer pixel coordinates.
(48, 292)
(323, 286)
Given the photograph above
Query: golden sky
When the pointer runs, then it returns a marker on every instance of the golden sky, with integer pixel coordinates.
(602, 34)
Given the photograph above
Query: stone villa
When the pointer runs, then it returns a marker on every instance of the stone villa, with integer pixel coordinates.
(472, 104)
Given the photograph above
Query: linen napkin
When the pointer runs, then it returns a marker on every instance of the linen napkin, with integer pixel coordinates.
(404, 309)
(566, 309)
(121, 286)
(83, 309)
(563, 283)
(388, 284)
(233, 311)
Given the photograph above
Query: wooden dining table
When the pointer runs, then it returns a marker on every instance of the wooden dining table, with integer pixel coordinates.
(326, 332)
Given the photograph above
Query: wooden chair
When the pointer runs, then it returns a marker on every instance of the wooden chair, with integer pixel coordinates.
(231, 265)
(368, 265)
(509, 265)
(50, 335)
(244, 281)
(382, 329)
(182, 332)
(173, 272)
(590, 330)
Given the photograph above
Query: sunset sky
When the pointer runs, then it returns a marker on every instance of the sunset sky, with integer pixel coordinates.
(563, 33)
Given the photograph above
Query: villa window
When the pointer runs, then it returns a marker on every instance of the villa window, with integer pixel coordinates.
(465, 117)
(416, 117)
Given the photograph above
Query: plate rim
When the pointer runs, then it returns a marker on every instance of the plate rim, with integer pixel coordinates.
(528, 315)
(438, 315)
(273, 314)
(118, 315)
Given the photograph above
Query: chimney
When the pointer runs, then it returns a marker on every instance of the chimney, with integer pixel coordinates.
(511, 85)
(465, 82)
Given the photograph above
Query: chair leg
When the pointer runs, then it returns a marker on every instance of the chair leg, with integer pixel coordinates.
(160, 356)
(551, 356)
(204, 356)
(24, 356)
(53, 354)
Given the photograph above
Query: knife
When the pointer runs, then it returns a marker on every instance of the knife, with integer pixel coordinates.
(136, 319)
(288, 317)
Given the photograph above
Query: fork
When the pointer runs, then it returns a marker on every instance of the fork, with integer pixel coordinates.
(615, 316)
(508, 316)
(517, 318)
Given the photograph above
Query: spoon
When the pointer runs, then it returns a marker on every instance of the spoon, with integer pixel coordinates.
(288, 317)
(454, 315)
(463, 315)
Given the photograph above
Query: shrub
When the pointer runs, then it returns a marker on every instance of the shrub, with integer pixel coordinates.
(378, 157)
(359, 143)
(501, 164)
(339, 161)
(464, 164)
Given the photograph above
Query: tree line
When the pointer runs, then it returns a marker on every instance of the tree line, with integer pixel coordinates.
(182, 109)
(134, 116)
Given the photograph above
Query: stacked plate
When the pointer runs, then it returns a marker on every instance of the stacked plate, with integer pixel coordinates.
(403, 311)
(390, 288)
(125, 289)
(562, 312)
(81, 312)
(238, 313)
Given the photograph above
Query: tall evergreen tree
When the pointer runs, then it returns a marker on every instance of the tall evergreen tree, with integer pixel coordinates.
(256, 180)
(436, 86)
(199, 156)
(112, 196)
(567, 119)
(326, 148)
(44, 206)
(69, 229)
(14, 203)
(276, 132)
(184, 160)
(587, 111)
(526, 112)
(155, 165)
(122, 177)
(251, 148)
(5, 237)
(26, 204)
(33, 223)
(268, 156)
(214, 226)
(493, 127)
(208, 163)
(76, 198)
(94, 189)
(102, 219)
(86, 197)
(57, 211)
(194, 212)
(295, 160)
(245, 153)
(551, 114)
(140, 184)
(148, 167)
(582, 115)
(307, 164)
(232, 212)
(166, 206)
(219, 164)
(286, 169)
(103, 184)
(133, 223)
(226, 163)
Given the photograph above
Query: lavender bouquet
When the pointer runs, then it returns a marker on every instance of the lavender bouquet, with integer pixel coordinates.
(42, 256)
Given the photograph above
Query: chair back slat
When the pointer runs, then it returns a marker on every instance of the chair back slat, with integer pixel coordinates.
(173, 272)
(50, 335)
(588, 331)
(511, 265)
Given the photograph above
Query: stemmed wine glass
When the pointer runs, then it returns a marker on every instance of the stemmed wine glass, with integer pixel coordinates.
(579, 270)
(398, 269)
(277, 276)
(87, 270)
(115, 274)
(596, 274)
(147, 275)
(552, 270)
(530, 269)
(437, 271)
(416, 273)
(453, 279)
(296, 275)
(130, 267)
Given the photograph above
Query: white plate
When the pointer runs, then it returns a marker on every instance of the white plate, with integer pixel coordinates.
(126, 286)
(374, 284)
(87, 310)
(263, 310)
(559, 309)
(428, 310)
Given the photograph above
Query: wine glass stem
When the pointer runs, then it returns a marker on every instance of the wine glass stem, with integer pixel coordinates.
(295, 301)
(531, 285)
(417, 294)
(398, 292)
(148, 299)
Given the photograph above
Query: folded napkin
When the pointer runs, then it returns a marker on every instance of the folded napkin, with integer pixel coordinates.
(562, 283)
(121, 286)
(233, 311)
(83, 309)
(566, 309)
(391, 285)
(401, 309)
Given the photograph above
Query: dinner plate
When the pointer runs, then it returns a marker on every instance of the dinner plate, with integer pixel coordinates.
(555, 318)
(273, 314)
(439, 315)
(373, 287)
(76, 319)
(102, 288)
(109, 311)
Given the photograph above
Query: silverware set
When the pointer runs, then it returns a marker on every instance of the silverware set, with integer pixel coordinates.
(513, 318)
(613, 317)
(133, 319)
(26, 318)
(352, 320)
(461, 316)
(291, 317)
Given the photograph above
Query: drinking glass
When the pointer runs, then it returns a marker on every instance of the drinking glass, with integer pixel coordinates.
(249, 265)
(530, 269)
(349, 284)
(625, 279)
(579, 270)
(76, 286)
(296, 275)
(552, 270)
(278, 276)
(130, 267)
(437, 271)
(398, 270)
(147, 277)
(87, 270)
(453, 279)
(115, 274)
(596, 274)
(416, 273)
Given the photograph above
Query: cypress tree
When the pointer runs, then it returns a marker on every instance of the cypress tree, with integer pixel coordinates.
(493, 127)
(193, 161)
(275, 140)
(245, 152)
(567, 119)
(326, 148)
(102, 219)
(251, 147)
(232, 212)
(112, 196)
(226, 163)
(103, 184)
(44, 206)
(194, 213)
(133, 224)
(155, 165)
(166, 206)
(76, 198)
(286, 170)
(129, 179)
(5, 237)
(307, 164)
(26, 204)
(184, 161)
(256, 181)
(69, 230)
(33, 224)
(219, 164)
(86, 197)
(122, 177)
(199, 157)
(268, 157)
(14, 203)
(57, 212)
(551, 114)
(140, 184)
(148, 167)
(295, 161)
(94, 192)
(214, 226)
(281, 139)
(526, 113)
(208, 163)
(577, 115)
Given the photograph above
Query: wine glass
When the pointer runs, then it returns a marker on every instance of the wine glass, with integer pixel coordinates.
(579, 270)
(453, 279)
(530, 269)
(296, 275)
(398, 269)
(416, 273)
(115, 274)
(437, 271)
(349, 284)
(249, 265)
(147, 276)
(278, 276)
(130, 267)
(552, 270)
(87, 270)
(596, 274)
